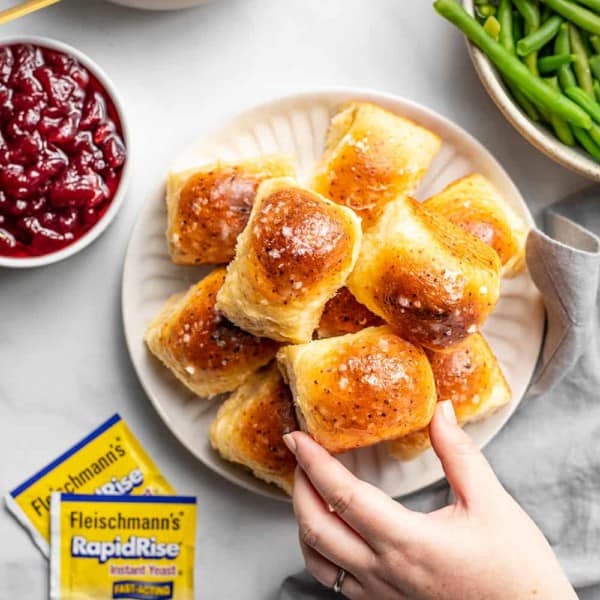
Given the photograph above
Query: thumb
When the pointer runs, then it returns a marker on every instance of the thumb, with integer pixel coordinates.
(467, 470)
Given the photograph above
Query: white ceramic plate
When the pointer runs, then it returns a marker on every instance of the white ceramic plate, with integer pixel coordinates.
(296, 124)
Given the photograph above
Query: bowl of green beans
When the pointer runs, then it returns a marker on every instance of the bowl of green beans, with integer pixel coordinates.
(539, 60)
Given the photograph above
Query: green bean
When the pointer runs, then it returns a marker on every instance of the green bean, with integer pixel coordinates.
(510, 66)
(594, 62)
(510, 28)
(560, 126)
(590, 106)
(531, 59)
(586, 19)
(528, 107)
(518, 24)
(594, 133)
(546, 14)
(504, 16)
(492, 27)
(540, 37)
(593, 4)
(562, 130)
(597, 89)
(585, 40)
(526, 102)
(550, 64)
(529, 11)
(514, 25)
(587, 142)
(595, 41)
(563, 46)
(580, 64)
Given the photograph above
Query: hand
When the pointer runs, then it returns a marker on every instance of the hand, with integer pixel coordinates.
(483, 546)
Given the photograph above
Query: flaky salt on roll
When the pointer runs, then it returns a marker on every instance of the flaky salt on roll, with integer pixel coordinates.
(295, 253)
(432, 282)
(475, 205)
(471, 378)
(359, 389)
(209, 206)
(250, 426)
(371, 157)
(205, 351)
(345, 314)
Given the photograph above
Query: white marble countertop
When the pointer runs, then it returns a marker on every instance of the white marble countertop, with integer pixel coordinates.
(64, 366)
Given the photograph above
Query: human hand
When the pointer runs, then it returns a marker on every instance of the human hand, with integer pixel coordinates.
(484, 546)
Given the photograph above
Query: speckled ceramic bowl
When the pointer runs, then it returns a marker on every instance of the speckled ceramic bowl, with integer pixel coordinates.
(539, 136)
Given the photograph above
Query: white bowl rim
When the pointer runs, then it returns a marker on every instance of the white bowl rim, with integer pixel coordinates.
(100, 226)
(160, 5)
(571, 158)
(265, 101)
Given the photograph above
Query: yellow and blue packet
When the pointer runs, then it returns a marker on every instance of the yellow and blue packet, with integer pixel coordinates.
(109, 461)
(117, 547)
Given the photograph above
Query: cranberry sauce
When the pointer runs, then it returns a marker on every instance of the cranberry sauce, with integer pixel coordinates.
(61, 150)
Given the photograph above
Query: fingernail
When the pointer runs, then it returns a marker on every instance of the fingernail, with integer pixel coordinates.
(448, 411)
(290, 442)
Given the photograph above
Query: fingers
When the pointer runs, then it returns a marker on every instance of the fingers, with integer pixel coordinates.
(325, 572)
(370, 512)
(467, 470)
(325, 532)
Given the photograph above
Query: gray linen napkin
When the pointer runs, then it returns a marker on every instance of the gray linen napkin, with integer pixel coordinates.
(548, 454)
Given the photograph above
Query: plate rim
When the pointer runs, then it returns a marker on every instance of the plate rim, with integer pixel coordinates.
(264, 103)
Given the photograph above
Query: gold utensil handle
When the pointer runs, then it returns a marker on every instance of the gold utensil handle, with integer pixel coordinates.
(24, 9)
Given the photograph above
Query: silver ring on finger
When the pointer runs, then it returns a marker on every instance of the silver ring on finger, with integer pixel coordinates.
(339, 581)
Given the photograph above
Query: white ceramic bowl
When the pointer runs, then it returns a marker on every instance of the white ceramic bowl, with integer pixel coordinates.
(117, 201)
(160, 4)
(296, 125)
(539, 136)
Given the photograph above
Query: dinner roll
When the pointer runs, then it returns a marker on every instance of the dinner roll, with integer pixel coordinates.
(431, 281)
(249, 426)
(476, 206)
(208, 207)
(359, 389)
(345, 314)
(206, 352)
(296, 252)
(470, 377)
(372, 156)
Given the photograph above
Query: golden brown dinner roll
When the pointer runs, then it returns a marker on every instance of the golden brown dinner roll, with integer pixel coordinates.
(476, 206)
(372, 156)
(249, 426)
(200, 346)
(470, 377)
(295, 253)
(359, 389)
(209, 207)
(432, 282)
(345, 314)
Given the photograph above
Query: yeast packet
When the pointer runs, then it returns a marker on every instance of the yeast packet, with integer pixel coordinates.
(109, 461)
(113, 547)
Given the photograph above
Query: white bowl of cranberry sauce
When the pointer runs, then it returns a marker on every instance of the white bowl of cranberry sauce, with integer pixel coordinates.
(63, 151)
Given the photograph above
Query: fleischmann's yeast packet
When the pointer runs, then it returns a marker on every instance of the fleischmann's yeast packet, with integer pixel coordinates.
(109, 547)
(109, 461)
